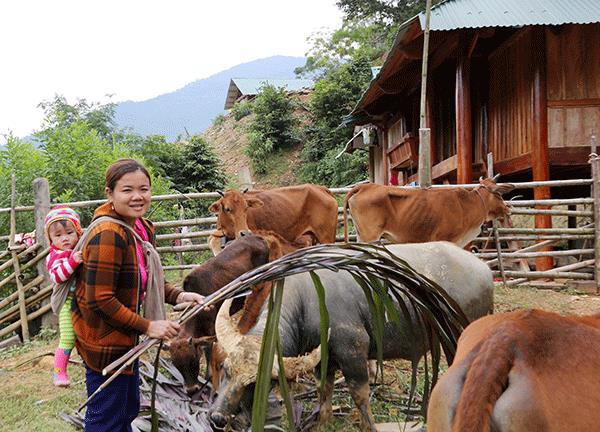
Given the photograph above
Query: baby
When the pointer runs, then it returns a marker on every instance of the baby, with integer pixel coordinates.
(63, 229)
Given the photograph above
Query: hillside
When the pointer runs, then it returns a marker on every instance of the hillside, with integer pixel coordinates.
(229, 139)
(194, 107)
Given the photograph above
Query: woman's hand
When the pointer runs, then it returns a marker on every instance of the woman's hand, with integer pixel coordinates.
(162, 329)
(190, 297)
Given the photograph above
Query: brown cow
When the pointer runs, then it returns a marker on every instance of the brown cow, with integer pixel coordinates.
(237, 258)
(423, 215)
(293, 212)
(523, 371)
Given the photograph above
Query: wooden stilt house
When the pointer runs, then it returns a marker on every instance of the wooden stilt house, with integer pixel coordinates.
(519, 79)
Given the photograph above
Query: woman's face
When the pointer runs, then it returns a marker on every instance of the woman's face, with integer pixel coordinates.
(131, 196)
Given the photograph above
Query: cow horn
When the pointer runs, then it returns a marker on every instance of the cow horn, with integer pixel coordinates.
(228, 335)
(298, 366)
(220, 192)
(496, 177)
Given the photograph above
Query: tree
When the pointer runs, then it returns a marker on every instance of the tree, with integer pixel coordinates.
(333, 98)
(274, 125)
(193, 166)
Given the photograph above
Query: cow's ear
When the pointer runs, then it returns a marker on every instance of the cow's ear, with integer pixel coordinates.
(254, 202)
(504, 188)
(214, 207)
(203, 341)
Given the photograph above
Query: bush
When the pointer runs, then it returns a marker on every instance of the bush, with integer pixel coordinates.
(273, 127)
(241, 109)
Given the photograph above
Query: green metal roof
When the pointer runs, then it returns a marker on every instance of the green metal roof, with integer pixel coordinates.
(457, 14)
(251, 86)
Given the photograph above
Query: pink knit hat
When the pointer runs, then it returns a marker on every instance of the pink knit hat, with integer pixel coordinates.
(62, 212)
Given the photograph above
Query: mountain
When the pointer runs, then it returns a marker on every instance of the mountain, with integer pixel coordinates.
(194, 106)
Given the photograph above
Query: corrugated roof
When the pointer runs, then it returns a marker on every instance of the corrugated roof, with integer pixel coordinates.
(251, 86)
(456, 14)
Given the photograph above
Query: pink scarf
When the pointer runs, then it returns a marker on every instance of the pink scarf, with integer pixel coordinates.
(138, 227)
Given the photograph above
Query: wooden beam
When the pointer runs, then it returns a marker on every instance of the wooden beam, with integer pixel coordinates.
(464, 135)
(540, 161)
(513, 165)
(569, 156)
(574, 103)
(444, 167)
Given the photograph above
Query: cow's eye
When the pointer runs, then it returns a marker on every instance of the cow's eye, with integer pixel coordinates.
(227, 209)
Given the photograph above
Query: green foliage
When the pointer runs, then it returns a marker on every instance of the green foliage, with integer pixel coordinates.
(241, 109)
(333, 98)
(219, 120)
(193, 166)
(273, 127)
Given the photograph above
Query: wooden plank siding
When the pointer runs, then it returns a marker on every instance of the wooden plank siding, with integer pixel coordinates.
(510, 98)
(573, 75)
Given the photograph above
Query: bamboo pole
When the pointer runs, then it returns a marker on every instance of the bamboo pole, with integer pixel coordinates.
(27, 251)
(175, 249)
(544, 231)
(31, 300)
(15, 259)
(595, 161)
(541, 237)
(424, 131)
(512, 255)
(41, 311)
(12, 297)
(499, 252)
(551, 274)
(532, 248)
(575, 266)
(522, 211)
(550, 202)
(24, 267)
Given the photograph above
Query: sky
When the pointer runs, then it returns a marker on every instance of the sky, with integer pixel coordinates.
(136, 50)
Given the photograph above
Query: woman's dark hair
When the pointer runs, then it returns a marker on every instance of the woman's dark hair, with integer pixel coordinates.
(121, 167)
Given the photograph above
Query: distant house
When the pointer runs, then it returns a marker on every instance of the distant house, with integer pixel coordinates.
(248, 88)
(517, 79)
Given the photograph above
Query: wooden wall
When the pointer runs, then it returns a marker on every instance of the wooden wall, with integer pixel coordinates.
(573, 76)
(510, 97)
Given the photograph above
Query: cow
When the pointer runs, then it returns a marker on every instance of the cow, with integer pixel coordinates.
(293, 212)
(465, 278)
(240, 256)
(423, 215)
(522, 371)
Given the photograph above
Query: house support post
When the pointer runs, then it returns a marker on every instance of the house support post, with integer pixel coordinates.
(464, 135)
(540, 162)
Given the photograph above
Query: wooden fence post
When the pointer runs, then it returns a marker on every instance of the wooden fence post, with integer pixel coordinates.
(595, 162)
(41, 202)
(15, 259)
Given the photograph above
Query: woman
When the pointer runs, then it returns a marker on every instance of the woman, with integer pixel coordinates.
(112, 286)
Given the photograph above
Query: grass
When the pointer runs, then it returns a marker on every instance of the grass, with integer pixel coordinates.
(29, 401)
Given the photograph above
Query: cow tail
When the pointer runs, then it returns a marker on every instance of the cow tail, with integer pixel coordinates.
(485, 381)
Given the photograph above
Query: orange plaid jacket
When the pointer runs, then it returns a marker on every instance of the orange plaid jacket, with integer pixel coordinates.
(106, 315)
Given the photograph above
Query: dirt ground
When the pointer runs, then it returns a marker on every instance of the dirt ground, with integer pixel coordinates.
(29, 402)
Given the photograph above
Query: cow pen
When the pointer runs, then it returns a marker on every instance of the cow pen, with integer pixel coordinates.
(510, 251)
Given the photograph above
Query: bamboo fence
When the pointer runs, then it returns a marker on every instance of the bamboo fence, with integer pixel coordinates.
(30, 298)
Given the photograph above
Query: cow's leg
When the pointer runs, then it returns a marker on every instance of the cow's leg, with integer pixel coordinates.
(351, 351)
(325, 398)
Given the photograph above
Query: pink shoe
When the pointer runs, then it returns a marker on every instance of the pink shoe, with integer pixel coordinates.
(60, 380)
(61, 360)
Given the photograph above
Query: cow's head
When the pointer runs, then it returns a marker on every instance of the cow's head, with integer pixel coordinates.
(240, 365)
(491, 195)
(185, 355)
(231, 210)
